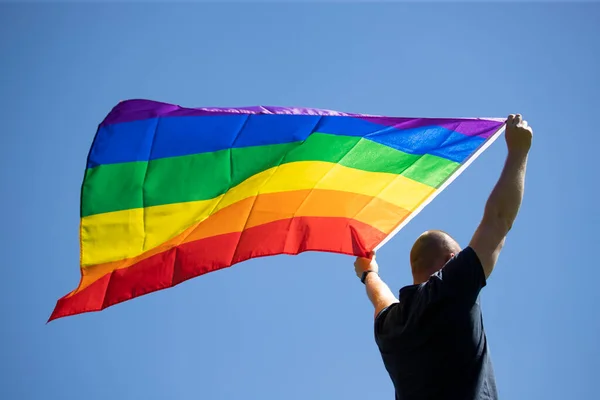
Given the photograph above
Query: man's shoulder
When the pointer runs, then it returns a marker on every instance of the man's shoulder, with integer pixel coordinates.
(466, 256)
(386, 313)
(464, 270)
(461, 278)
(393, 319)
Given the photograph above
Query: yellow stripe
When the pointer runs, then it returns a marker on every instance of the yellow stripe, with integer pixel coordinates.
(118, 235)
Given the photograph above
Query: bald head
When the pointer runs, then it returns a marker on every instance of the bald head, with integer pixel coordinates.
(430, 252)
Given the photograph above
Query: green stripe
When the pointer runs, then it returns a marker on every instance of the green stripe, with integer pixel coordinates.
(115, 187)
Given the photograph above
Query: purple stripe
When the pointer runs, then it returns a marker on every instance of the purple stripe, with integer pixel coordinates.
(134, 110)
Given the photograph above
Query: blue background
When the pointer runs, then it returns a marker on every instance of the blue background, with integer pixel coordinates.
(296, 327)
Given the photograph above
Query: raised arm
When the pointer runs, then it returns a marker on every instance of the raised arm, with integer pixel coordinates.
(379, 293)
(504, 202)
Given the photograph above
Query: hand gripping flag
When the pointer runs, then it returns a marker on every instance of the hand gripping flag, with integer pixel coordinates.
(171, 193)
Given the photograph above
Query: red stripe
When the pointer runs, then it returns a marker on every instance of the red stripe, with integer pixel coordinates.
(164, 270)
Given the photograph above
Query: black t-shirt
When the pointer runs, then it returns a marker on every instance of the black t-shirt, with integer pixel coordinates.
(432, 341)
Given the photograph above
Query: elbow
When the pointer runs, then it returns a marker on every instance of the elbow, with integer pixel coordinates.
(505, 222)
(499, 220)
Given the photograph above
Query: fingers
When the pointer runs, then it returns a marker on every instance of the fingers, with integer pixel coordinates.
(370, 257)
(516, 125)
(518, 119)
(514, 119)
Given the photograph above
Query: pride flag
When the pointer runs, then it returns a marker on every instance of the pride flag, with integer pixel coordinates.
(171, 193)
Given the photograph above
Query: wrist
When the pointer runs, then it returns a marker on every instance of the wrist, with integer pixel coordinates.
(367, 274)
(518, 153)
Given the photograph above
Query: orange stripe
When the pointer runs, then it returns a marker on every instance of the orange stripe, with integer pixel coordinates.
(265, 208)
(170, 268)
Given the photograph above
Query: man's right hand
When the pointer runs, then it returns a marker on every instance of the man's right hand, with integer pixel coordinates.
(363, 264)
(379, 293)
(518, 134)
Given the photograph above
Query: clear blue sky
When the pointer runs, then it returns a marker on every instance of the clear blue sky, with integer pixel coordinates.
(296, 327)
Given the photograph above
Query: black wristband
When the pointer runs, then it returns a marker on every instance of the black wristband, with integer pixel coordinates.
(364, 275)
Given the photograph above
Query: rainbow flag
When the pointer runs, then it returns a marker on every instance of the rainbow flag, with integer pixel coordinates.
(171, 193)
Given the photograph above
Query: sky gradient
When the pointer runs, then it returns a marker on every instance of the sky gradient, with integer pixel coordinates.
(296, 327)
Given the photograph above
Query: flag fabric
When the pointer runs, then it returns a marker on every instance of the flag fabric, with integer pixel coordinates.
(171, 193)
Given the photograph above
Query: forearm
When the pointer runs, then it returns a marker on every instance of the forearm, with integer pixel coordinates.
(506, 197)
(378, 292)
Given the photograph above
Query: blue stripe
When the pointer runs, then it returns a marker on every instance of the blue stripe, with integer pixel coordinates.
(155, 138)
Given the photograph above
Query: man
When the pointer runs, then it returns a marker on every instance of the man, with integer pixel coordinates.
(432, 339)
